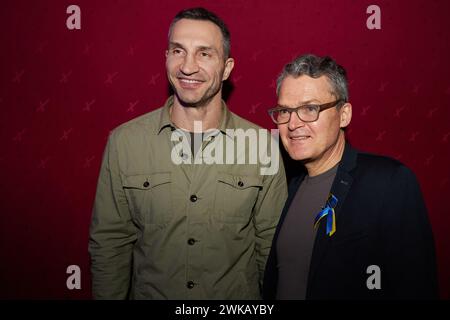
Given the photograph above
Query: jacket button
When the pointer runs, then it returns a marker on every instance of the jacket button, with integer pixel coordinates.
(193, 198)
(240, 184)
(191, 241)
(190, 284)
(146, 184)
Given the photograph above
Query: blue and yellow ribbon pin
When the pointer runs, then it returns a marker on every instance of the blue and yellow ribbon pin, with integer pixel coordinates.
(328, 211)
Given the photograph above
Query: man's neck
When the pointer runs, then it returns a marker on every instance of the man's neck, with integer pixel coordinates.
(209, 115)
(331, 157)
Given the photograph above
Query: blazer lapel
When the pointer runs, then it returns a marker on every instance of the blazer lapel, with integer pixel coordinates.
(340, 188)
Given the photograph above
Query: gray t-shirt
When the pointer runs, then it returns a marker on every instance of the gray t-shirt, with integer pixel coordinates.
(296, 239)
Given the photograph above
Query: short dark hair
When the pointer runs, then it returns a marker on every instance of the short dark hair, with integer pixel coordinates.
(315, 67)
(205, 15)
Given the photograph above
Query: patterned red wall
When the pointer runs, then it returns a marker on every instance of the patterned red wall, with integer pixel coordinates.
(63, 90)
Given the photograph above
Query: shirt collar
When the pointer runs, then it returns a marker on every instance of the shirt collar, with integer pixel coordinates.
(226, 122)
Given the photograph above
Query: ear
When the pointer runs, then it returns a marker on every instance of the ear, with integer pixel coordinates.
(346, 115)
(229, 65)
(167, 53)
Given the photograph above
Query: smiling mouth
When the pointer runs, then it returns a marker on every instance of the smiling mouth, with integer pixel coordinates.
(190, 81)
(299, 138)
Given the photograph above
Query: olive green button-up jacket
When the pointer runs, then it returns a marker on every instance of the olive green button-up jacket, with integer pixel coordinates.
(164, 228)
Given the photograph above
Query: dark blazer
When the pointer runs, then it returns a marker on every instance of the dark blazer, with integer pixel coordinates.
(381, 220)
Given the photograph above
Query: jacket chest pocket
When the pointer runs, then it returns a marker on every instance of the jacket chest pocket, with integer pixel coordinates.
(149, 197)
(236, 196)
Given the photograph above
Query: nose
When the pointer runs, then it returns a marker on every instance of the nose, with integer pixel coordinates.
(295, 122)
(189, 65)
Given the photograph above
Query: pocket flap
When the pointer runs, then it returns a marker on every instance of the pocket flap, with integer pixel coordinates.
(240, 182)
(146, 181)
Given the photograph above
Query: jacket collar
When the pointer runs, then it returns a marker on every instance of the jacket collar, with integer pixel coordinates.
(346, 165)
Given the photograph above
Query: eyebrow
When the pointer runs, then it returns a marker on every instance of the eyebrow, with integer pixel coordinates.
(199, 48)
(303, 103)
(175, 44)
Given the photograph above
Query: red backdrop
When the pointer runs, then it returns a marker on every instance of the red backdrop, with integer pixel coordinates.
(62, 91)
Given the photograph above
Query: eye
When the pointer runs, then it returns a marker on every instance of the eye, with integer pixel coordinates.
(310, 108)
(283, 111)
(204, 54)
(177, 51)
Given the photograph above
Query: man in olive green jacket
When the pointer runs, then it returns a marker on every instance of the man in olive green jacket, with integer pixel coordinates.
(171, 222)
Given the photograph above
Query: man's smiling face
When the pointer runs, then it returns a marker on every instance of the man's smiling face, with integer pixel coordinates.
(309, 141)
(195, 61)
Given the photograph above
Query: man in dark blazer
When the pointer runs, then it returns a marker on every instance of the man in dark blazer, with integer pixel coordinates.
(354, 225)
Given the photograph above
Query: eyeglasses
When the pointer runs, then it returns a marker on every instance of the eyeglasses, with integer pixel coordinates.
(306, 113)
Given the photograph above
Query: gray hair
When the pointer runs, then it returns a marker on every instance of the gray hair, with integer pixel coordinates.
(315, 67)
